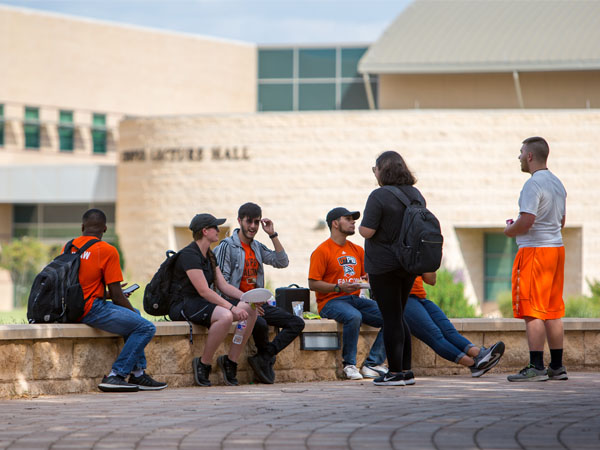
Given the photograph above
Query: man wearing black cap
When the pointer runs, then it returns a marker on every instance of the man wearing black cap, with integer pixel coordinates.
(336, 274)
(241, 259)
(196, 272)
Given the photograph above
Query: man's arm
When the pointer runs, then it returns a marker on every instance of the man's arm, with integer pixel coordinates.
(365, 232)
(430, 278)
(278, 258)
(520, 226)
(117, 296)
(325, 287)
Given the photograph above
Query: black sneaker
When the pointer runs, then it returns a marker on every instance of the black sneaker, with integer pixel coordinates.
(557, 374)
(487, 359)
(229, 370)
(146, 383)
(390, 379)
(260, 364)
(201, 372)
(409, 377)
(117, 383)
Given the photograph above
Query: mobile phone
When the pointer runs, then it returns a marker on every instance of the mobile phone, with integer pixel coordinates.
(131, 289)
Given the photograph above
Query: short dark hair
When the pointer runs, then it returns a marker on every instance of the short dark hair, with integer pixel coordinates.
(249, 210)
(94, 220)
(393, 170)
(538, 147)
(94, 215)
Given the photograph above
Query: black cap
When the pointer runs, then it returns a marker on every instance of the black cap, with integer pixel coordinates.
(338, 212)
(201, 221)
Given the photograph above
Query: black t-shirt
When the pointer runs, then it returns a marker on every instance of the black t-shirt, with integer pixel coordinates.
(191, 257)
(384, 213)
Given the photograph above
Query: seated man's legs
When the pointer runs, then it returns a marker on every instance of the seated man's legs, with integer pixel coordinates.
(136, 330)
(371, 316)
(427, 324)
(340, 310)
(290, 327)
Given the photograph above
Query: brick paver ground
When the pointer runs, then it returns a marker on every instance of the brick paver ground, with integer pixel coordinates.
(438, 412)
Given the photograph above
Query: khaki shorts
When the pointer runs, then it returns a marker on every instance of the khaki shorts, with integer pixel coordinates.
(537, 283)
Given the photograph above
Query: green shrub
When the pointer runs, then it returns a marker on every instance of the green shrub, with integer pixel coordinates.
(504, 300)
(24, 258)
(582, 306)
(449, 294)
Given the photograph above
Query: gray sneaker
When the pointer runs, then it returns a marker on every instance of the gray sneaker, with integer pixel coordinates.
(487, 359)
(529, 373)
(557, 374)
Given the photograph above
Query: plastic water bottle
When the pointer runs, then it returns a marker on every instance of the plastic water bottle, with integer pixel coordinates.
(238, 337)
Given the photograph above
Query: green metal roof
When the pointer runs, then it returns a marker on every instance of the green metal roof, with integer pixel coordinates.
(462, 36)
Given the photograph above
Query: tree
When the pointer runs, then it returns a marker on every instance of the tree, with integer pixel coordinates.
(24, 258)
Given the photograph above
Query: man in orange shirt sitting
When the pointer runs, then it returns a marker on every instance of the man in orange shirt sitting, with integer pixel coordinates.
(100, 267)
(336, 273)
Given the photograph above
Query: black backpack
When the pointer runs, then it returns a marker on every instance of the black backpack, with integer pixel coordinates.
(56, 295)
(419, 244)
(161, 291)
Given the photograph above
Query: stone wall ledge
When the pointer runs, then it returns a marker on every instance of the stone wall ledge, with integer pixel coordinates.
(166, 328)
(72, 358)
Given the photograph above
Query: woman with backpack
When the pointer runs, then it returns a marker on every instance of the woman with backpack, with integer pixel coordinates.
(196, 270)
(390, 282)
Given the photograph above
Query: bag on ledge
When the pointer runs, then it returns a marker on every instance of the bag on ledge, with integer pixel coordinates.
(56, 295)
(158, 294)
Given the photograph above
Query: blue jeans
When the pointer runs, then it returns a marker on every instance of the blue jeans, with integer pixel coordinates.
(136, 331)
(428, 323)
(352, 311)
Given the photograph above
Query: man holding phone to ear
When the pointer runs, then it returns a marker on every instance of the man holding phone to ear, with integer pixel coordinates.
(100, 267)
(241, 260)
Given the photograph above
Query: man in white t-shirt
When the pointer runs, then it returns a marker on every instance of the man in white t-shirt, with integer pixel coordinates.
(538, 269)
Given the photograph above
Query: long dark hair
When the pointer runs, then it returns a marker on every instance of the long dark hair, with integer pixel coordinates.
(393, 170)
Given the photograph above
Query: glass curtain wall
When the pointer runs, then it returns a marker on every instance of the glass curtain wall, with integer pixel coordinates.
(311, 79)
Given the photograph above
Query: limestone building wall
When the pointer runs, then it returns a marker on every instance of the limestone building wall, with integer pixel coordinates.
(82, 64)
(567, 89)
(299, 166)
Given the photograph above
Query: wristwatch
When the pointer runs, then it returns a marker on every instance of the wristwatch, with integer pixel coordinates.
(337, 288)
(274, 235)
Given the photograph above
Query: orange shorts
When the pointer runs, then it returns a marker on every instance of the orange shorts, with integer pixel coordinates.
(537, 283)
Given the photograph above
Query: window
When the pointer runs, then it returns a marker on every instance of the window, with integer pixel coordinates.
(316, 63)
(31, 127)
(276, 97)
(500, 253)
(309, 78)
(350, 59)
(318, 96)
(65, 131)
(99, 133)
(1, 125)
(354, 95)
(275, 63)
(57, 222)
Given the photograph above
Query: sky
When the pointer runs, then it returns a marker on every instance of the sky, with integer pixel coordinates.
(255, 21)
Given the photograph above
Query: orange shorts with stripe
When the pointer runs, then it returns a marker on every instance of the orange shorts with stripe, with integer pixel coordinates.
(537, 283)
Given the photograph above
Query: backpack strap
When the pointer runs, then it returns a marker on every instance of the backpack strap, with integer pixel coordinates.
(399, 194)
(87, 245)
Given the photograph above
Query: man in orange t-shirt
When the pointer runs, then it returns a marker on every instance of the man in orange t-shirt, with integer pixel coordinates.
(336, 274)
(100, 267)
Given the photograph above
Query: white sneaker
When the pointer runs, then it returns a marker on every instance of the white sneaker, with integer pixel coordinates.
(373, 371)
(352, 373)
